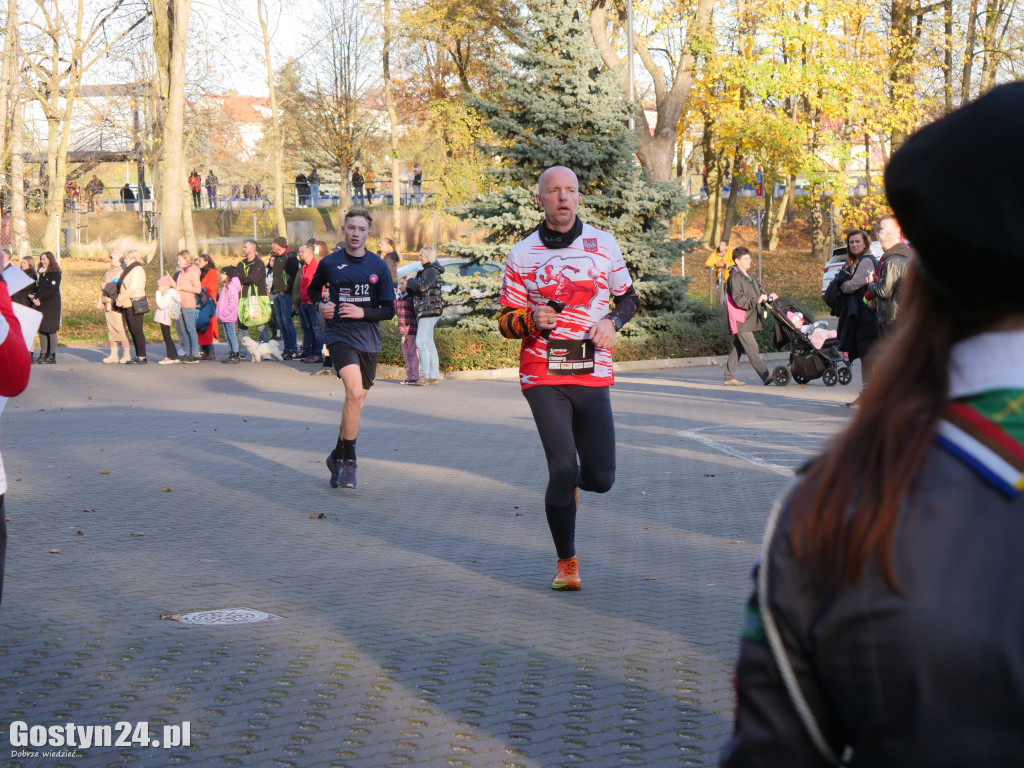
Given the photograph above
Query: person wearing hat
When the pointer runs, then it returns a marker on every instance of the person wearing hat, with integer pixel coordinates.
(285, 272)
(884, 628)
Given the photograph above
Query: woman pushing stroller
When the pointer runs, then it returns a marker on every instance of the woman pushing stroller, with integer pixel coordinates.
(744, 299)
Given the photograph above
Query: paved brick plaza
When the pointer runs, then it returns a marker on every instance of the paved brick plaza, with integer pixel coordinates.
(416, 624)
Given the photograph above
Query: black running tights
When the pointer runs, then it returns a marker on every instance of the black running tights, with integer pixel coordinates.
(573, 421)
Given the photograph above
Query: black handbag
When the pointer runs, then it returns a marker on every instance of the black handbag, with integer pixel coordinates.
(140, 306)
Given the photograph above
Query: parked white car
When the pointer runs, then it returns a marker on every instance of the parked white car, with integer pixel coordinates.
(838, 258)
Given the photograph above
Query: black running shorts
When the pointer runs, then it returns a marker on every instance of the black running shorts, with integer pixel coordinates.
(342, 355)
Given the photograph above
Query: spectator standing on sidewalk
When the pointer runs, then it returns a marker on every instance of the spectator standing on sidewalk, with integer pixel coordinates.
(884, 629)
(252, 274)
(48, 301)
(227, 310)
(15, 366)
(209, 280)
(857, 329)
(565, 365)
(745, 303)
(285, 272)
(886, 282)
(109, 286)
(312, 322)
(425, 290)
(132, 285)
(168, 309)
(406, 315)
(189, 285)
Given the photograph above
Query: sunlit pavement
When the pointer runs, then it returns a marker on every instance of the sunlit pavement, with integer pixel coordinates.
(411, 620)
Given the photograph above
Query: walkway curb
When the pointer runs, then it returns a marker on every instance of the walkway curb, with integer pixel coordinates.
(512, 374)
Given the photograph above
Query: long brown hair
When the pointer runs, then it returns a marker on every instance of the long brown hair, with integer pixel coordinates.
(51, 263)
(845, 511)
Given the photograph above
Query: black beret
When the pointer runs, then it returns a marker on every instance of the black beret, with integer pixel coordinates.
(954, 191)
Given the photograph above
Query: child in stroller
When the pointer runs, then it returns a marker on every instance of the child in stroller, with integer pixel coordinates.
(806, 361)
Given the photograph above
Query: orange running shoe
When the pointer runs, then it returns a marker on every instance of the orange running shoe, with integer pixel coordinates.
(567, 576)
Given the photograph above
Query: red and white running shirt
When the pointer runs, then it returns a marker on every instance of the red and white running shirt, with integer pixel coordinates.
(583, 276)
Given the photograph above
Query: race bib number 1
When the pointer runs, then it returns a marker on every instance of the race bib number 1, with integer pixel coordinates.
(570, 357)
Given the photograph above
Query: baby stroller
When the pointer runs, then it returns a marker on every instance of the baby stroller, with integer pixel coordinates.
(806, 362)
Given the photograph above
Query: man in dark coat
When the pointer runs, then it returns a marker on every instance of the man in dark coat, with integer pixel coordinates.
(357, 187)
(286, 268)
(885, 286)
(252, 274)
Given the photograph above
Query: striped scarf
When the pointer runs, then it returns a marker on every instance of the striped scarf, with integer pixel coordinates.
(986, 432)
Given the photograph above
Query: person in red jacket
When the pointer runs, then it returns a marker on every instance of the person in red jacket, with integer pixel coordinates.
(15, 364)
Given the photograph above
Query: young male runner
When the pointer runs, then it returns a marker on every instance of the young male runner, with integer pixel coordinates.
(359, 296)
(556, 298)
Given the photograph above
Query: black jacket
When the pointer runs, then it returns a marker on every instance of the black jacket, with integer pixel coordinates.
(887, 288)
(745, 291)
(857, 330)
(425, 289)
(48, 293)
(931, 677)
(286, 267)
(253, 274)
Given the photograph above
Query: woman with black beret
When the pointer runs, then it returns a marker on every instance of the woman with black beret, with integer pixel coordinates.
(885, 627)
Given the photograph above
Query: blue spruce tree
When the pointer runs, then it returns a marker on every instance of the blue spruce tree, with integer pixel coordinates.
(555, 106)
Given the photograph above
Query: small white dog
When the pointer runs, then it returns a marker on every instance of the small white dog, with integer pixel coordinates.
(258, 350)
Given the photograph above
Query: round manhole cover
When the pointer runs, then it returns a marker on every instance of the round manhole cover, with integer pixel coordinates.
(225, 616)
